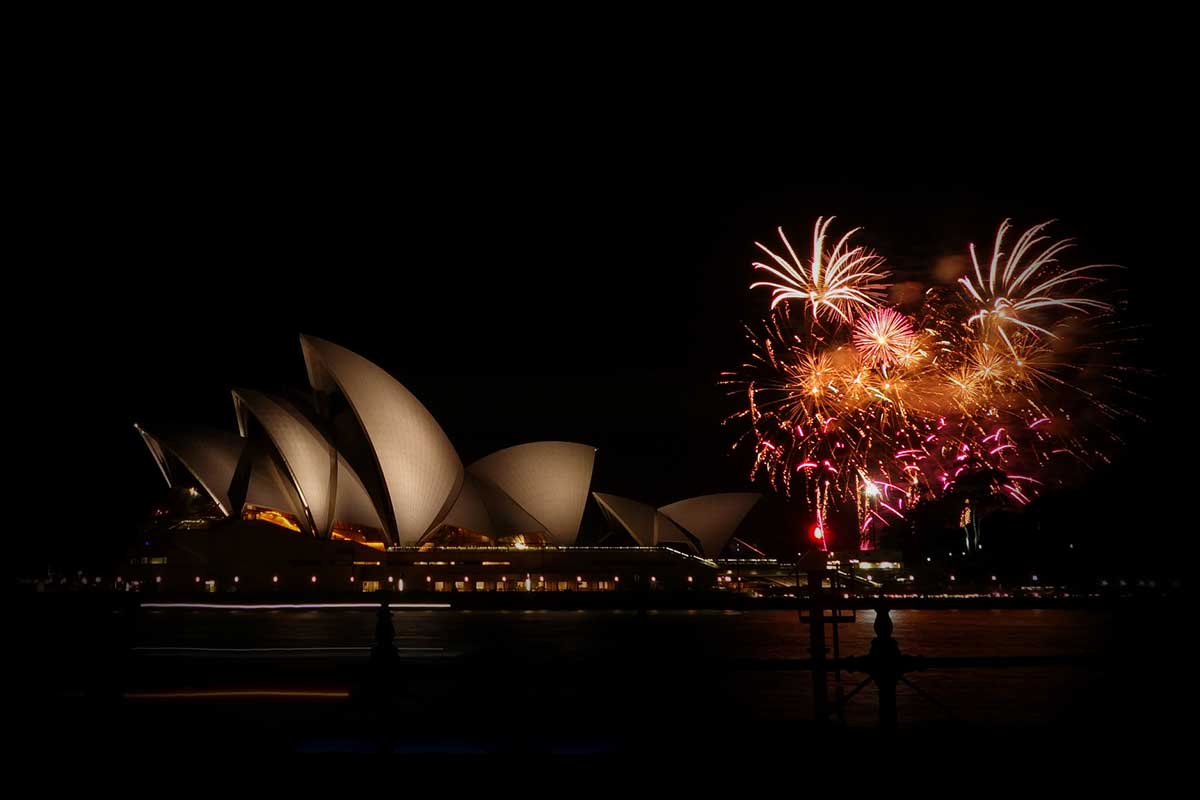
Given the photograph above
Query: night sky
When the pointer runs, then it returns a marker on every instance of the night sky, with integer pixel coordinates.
(580, 282)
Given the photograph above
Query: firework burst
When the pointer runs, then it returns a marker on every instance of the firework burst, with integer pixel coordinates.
(836, 283)
(883, 337)
(967, 399)
(1029, 286)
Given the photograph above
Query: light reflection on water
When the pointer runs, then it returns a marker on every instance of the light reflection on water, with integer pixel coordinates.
(666, 657)
(756, 634)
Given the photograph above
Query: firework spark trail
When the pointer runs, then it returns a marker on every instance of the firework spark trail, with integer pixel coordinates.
(885, 410)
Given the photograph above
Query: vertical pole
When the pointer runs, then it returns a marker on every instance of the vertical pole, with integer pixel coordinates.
(833, 607)
(384, 649)
(816, 647)
(381, 674)
(738, 545)
(886, 685)
(837, 652)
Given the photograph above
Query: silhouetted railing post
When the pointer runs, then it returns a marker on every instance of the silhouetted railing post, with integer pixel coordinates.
(814, 565)
(839, 706)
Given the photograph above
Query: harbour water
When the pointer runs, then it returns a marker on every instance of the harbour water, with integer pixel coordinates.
(491, 680)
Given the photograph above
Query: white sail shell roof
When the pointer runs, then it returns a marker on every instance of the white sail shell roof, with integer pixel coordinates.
(309, 459)
(420, 470)
(469, 510)
(549, 481)
(644, 523)
(712, 518)
(271, 488)
(212, 457)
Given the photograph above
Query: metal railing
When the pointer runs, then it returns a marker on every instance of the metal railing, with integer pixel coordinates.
(884, 664)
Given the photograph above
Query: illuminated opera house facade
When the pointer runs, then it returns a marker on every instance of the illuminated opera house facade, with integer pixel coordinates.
(357, 486)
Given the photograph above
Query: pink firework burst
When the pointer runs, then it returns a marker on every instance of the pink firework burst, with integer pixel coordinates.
(883, 337)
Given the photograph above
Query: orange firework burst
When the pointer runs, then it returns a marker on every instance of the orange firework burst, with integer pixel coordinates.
(883, 337)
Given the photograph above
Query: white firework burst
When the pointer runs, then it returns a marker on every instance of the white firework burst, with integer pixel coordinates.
(835, 283)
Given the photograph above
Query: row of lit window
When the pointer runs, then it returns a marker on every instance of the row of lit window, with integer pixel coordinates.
(563, 585)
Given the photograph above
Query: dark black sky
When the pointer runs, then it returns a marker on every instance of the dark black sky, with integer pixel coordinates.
(527, 274)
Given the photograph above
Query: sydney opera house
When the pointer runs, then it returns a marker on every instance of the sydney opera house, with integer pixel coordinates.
(355, 484)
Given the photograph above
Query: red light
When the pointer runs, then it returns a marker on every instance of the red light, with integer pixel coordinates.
(817, 533)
